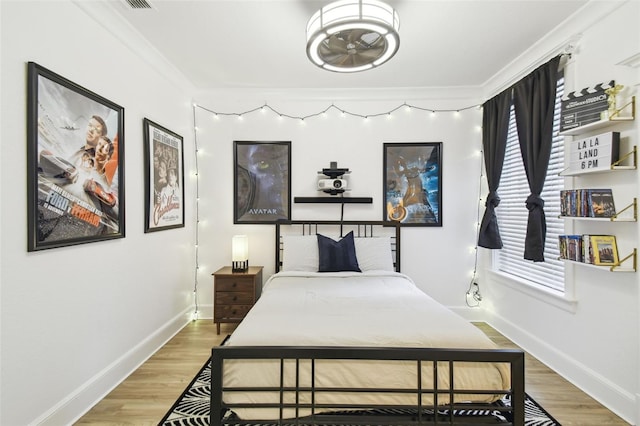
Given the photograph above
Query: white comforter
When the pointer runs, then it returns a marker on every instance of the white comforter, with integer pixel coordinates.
(368, 309)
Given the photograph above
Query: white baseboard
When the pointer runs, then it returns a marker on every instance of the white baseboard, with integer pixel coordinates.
(469, 313)
(616, 399)
(205, 311)
(76, 404)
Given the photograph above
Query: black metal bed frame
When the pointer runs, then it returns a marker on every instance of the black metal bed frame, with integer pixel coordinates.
(436, 413)
(443, 411)
(361, 229)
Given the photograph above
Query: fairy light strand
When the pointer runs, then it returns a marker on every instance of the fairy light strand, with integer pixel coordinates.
(343, 111)
(197, 236)
(475, 294)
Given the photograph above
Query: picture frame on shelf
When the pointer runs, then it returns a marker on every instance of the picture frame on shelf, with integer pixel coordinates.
(412, 183)
(75, 163)
(164, 178)
(605, 250)
(261, 182)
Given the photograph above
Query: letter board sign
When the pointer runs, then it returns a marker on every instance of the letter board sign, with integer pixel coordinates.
(595, 153)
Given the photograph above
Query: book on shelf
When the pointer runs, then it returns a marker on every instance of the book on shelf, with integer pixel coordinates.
(591, 249)
(601, 203)
(587, 203)
(605, 250)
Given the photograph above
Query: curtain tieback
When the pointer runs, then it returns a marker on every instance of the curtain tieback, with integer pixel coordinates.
(493, 200)
(534, 201)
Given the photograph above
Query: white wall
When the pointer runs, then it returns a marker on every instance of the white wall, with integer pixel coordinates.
(355, 143)
(76, 333)
(591, 335)
(76, 320)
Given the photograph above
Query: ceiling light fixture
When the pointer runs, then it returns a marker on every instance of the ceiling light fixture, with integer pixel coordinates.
(353, 35)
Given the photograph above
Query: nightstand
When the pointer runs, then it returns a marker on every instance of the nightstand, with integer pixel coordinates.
(234, 293)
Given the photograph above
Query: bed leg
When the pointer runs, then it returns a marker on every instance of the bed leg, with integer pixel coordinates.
(216, 412)
(517, 397)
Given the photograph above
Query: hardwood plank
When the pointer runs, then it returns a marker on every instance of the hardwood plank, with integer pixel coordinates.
(146, 395)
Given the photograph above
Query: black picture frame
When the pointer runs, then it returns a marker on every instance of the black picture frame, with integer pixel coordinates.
(261, 182)
(75, 163)
(163, 177)
(412, 183)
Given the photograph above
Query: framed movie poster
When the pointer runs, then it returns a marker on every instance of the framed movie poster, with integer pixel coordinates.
(412, 183)
(262, 182)
(164, 178)
(75, 155)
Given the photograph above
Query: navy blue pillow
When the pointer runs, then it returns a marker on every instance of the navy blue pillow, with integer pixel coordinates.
(337, 256)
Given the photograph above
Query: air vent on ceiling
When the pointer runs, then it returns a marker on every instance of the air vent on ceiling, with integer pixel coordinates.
(138, 4)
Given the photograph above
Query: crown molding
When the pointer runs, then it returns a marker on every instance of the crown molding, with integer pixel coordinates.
(563, 38)
(107, 16)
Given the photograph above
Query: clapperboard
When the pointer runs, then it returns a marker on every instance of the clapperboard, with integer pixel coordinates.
(584, 106)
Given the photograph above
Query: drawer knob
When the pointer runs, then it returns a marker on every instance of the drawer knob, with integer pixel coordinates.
(234, 284)
(235, 297)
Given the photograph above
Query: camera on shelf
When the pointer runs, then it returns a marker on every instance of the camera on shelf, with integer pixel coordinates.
(332, 184)
(332, 180)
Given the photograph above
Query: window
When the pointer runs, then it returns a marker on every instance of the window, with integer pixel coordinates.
(512, 213)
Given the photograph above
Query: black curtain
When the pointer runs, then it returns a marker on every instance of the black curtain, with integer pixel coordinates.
(495, 126)
(534, 100)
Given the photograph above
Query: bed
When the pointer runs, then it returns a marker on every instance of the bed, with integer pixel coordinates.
(358, 343)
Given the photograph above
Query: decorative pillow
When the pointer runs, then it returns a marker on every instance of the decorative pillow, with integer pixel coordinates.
(374, 254)
(300, 253)
(337, 256)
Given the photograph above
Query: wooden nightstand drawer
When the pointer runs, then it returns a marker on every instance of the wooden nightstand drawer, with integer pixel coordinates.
(234, 284)
(231, 311)
(235, 293)
(234, 298)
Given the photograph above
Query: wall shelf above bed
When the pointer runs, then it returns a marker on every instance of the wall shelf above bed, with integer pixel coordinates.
(337, 200)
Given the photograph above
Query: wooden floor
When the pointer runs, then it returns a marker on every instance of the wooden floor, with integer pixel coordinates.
(145, 396)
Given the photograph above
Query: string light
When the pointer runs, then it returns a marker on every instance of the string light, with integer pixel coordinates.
(302, 119)
(474, 290)
(196, 248)
(343, 112)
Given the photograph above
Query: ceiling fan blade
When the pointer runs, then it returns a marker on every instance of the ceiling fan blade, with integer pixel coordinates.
(335, 58)
(355, 35)
(336, 44)
(372, 53)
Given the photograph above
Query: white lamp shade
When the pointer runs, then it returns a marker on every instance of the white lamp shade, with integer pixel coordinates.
(239, 248)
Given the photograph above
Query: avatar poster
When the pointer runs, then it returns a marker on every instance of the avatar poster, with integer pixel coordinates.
(262, 182)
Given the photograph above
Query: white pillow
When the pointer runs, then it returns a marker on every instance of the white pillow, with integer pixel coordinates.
(300, 253)
(374, 254)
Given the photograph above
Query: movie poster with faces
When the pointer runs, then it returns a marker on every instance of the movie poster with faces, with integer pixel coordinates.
(164, 183)
(75, 163)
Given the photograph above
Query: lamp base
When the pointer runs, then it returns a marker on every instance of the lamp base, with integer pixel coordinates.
(240, 265)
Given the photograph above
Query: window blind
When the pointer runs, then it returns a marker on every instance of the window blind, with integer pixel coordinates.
(512, 212)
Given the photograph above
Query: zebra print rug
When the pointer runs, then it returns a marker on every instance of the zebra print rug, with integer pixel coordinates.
(192, 407)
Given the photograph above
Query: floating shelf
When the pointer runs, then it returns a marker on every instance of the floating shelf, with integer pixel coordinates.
(613, 268)
(334, 200)
(605, 123)
(616, 218)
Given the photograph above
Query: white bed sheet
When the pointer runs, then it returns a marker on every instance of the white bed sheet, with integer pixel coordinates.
(375, 308)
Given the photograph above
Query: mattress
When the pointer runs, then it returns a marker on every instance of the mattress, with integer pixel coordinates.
(369, 309)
